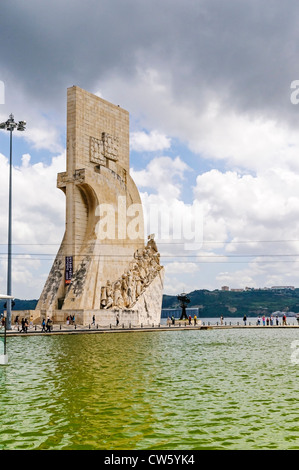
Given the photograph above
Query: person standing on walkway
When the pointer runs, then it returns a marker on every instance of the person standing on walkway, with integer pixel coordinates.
(244, 320)
(49, 325)
(43, 325)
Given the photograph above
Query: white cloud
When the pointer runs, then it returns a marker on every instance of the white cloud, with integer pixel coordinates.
(250, 141)
(245, 207)
(144, 142)
(177, 267)
(164, 175)
(38, 222)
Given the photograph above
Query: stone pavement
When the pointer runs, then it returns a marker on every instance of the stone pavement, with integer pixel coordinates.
(34, 330)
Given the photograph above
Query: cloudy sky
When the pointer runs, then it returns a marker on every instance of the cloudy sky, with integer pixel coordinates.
(210, 86)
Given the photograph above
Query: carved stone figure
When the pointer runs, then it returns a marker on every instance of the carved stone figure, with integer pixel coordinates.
(124, 289)
(108, 296)
(151, 243)
(118, 300)
(138, 285)
(131, 288)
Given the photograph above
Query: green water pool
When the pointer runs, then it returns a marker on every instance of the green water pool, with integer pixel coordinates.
(191, 390)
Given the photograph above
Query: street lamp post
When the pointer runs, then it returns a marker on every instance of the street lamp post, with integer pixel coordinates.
(10, 125)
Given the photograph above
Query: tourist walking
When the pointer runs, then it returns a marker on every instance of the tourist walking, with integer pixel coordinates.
(284, 319)
(93, 320)
(43, 325)
(244, 320)
(195, 318)
(24, 325)
(49, 325)
(190, 319)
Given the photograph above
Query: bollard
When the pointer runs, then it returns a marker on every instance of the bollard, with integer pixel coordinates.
(110, 326)
(89, 326)
(60, 326)
(130, 325)
(141, 325)
(123, 325)
(75, 326)
(35, 328)
(97, 326)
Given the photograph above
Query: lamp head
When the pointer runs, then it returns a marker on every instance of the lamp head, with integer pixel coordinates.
(21, 125)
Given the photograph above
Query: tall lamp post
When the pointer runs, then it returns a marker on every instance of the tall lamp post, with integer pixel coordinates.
(10, 125)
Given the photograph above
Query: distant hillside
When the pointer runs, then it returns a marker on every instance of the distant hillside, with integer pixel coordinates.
(236, 304)
(215, 303)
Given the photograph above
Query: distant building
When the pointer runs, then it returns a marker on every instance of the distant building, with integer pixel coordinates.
(283, 288)
(224, 288)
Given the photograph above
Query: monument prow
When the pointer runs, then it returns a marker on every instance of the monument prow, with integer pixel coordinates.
(103, 267)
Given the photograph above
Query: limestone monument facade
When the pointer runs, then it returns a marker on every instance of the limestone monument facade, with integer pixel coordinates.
(104, 267)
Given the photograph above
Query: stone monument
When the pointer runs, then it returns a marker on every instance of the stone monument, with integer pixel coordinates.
(104, 268)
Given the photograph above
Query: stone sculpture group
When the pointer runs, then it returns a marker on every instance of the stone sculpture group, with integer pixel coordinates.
(125, 291)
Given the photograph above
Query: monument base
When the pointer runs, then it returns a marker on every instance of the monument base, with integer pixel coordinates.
(146, 311)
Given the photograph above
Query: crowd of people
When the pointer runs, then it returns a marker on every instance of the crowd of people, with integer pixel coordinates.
(269, 320)
(47, 326)
(266, 321)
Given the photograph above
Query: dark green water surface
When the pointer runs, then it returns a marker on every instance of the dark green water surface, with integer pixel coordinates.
(214, 389)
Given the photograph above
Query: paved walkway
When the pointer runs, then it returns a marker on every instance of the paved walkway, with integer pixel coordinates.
(92, 329)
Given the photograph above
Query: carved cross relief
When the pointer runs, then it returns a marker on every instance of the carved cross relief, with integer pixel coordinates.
(104, 148)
